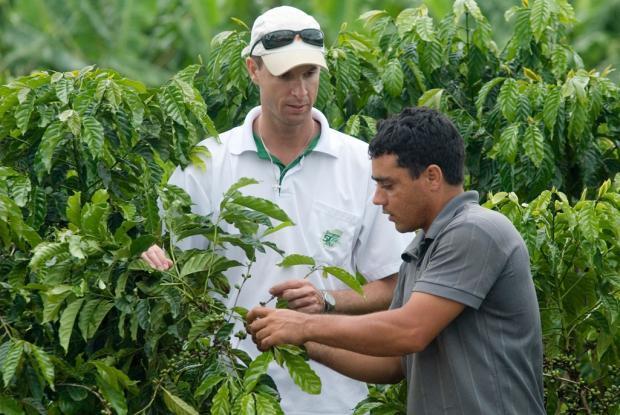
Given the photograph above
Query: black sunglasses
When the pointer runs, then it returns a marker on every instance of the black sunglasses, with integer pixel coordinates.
(281, 38)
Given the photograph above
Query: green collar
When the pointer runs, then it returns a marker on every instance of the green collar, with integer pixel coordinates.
(262, 154)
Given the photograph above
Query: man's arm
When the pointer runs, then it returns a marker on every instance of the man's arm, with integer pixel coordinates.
(303, 296)
(396, 332)
(370, 369)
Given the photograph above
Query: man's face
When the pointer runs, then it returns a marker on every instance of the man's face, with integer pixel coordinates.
(287, 98)
(405, 199)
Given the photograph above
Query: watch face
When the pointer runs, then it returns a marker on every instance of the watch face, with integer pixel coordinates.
(330, 301)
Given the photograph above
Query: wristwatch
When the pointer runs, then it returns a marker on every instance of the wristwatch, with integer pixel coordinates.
(329, 301)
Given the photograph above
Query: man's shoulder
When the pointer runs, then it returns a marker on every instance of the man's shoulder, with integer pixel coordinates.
(346, 147)
(222, 140)
(479, 222)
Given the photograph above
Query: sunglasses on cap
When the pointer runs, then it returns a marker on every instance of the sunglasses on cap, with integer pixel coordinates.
(279, 38)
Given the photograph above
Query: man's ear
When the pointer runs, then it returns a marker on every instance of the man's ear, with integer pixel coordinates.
(252, 68)
(434, 176)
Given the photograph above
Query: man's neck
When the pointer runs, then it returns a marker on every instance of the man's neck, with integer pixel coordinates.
(446, 194)
(285, 142)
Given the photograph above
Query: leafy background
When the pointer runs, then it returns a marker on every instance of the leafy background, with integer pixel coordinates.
(85, 154)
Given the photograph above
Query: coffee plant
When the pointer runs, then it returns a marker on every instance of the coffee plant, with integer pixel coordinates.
(85, 155)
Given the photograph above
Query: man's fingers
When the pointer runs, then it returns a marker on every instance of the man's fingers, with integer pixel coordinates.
(278, 289)
(156, 258)
(302, 302)
(256, 313)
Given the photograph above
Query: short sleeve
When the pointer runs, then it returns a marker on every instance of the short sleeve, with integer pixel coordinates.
(464, 264)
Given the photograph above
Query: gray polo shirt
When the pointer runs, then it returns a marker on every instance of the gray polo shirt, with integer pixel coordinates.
(489, 359)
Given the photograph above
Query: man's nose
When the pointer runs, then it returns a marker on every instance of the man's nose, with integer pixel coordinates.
(378, 198)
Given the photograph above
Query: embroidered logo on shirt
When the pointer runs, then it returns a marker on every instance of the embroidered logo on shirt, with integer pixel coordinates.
(331, 237)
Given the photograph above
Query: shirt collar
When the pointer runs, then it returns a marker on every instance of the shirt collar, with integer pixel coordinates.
(451, 209)
(240, 143)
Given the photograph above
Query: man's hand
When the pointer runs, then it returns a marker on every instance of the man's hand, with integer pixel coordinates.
(270, 327)
(156, 258)
(301, 296)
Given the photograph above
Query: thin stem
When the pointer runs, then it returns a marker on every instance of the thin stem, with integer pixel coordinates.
(6, 327)
(91, 390)
(264, 303)
(148, 405)
(246, 277)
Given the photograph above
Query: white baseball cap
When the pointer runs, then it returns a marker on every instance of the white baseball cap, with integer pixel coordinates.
(298, 52)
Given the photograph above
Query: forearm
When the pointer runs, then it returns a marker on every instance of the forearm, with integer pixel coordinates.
(378, 334)
(370, 369)
(377, 297)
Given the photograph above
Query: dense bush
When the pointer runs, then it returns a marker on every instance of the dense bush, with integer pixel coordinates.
(85, 155)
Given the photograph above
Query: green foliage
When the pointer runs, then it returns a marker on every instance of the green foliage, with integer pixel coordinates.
(531, 115)
(384, 400)
(84, 156)
(575, 255)
(85, 325)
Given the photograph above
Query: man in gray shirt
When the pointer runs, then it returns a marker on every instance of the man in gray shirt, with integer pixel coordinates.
(464, 325)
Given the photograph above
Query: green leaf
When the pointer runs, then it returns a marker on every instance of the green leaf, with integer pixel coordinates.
(578, 120)
(113, 94)
(92, 315)
(534, 144)
(43, 362)
(589, 223)
(93, 136)
(508, 99)
(242, 182)
(424, 28)
(74, 209)
(52, 300)
(208, 384)
(52, 136)
(44, 252)
(72, 120)
(276, 228)
(20, 190)
(177, 405)
(262, 205)
(431, 98)
(171, 102)
(10, 406)
(553, 101)
(75, 247)
(67, 320)
(346, 278)
(539, 19)
(509, 142)
(393, 78)
(221, 401)
(11, 361)
(108, 379)
(245, 405)
(301, 373)
(63, 89)
(484, 92)
(257, 368)
(198, 262)
(267, 405)
(24, 111)
(296, 259)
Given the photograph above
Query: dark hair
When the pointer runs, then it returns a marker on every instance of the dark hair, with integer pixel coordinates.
(420, 137)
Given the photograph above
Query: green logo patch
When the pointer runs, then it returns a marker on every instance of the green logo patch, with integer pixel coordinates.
(331, 237)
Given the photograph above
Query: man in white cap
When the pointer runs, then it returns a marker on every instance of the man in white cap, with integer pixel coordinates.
(319, 176)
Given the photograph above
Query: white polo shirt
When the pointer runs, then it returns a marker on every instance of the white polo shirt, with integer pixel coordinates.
(328, 195)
